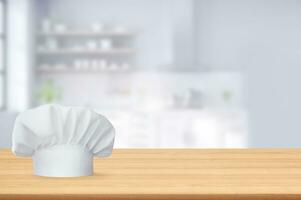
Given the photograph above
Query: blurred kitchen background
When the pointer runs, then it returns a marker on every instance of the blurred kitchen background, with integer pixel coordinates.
(167, 73)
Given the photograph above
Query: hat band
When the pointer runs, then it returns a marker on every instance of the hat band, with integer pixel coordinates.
(63, 161)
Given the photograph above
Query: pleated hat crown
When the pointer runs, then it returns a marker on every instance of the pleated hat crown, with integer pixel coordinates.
(62, 140)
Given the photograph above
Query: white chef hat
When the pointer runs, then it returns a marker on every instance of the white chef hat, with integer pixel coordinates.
(62, 140)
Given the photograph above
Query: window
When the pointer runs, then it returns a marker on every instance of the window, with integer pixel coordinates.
(2, 54)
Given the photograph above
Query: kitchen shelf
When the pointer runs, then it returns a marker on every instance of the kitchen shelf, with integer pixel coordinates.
(88, 34)
(81, 71)
(87, 52)
(136, 70)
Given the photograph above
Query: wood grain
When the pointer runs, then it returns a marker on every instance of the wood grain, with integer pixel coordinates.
(164, 174)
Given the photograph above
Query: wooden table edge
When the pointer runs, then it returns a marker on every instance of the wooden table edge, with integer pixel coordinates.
(150, 196)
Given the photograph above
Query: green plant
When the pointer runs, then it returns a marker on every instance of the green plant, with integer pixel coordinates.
(227, 95)
(49, 92)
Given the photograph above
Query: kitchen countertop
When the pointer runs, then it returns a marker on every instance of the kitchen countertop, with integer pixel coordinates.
(164, 174)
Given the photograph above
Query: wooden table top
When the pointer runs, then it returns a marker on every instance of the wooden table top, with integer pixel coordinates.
(164, 174)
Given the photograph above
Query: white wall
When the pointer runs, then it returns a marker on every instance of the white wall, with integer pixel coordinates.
(7, 120)
(19, 65)
(263, 39)
(19, 55)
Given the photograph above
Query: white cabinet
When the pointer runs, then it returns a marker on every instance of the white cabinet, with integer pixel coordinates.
(179, 128)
